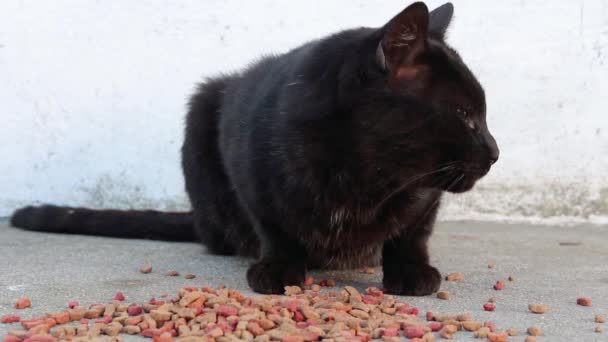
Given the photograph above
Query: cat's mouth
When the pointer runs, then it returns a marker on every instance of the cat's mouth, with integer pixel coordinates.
(463, 180)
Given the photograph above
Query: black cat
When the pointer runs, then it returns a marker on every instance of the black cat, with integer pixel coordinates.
(335, 154)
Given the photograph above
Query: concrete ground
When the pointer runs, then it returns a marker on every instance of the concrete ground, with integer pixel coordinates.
(53, 269)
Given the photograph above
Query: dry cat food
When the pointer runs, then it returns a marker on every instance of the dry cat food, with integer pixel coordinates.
(190, 276)
(23, 303)
(443, 295)
(499, 285)
(172, 274)
(489, 306)
(538, 308)
(454, 276)
(368, 270)
(10, 319)
(598, 330)
(600, 318)
(535, 330)
(584, 301)
(225, 315)
(146, 268)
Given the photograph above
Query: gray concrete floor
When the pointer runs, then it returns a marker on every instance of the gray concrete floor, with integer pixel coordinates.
(53, 269)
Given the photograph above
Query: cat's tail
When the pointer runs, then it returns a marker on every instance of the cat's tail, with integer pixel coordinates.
(132, 224)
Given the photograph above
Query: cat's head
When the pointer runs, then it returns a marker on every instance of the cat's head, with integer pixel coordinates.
(415, 104)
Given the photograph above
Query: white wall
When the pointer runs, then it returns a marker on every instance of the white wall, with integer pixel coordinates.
(93, 93)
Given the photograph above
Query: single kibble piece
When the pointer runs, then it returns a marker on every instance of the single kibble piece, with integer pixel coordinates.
(512, 332)
(443, 295)
(292, 290)
(489, 306)
(600, 318)
(309, 281)
(498, 337)
(492, 300)
(368, 270)
(535, 330)
(331, 282)
(598, 330)
(190, 276)
(538, 308)
(499, 285)
(491, 265)
(10, 319)
(146, 268)
(530, 339)
(454, 276)
(482, 332)
(119, 296)
(23, 303)
(172, 274)
(511, 278)
(584, 301)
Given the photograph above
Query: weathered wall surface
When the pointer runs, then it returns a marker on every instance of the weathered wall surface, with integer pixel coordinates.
(93, 94)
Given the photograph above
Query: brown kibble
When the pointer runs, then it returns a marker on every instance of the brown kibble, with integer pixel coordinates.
(368, 270)
(190, 276)
(145, 268)
(492, 300)
(172, 274)
(309, 281)
(454, 276)
(598, 329)
(482, 332)
(600, 318)
(292, 290)
(584, 301)
(538, 308)
(492, 265)
(471, 325)
(443, 295)
(331, 282)
(530, 339)
(512, 332)
(112, 329)
(511, 278)
(23, 303)
(535, 330)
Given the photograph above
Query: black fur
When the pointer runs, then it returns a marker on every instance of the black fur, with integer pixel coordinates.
(334, 154)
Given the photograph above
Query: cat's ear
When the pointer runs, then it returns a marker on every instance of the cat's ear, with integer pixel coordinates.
(404, 39)
(440, 19)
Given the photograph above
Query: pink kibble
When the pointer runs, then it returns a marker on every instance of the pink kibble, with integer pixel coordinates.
(489, 324)
(489, 306)
(72, 304)
(429, 316)
(413, 332)
(227, 310)
(435, 326)
(105, 319)
(389, 332)
(119, 296)
(134, 310)
(9, 338)
(291, 305)
(368, 299)
(499, 286)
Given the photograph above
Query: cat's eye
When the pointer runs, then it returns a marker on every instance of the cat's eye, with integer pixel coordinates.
(466, 117)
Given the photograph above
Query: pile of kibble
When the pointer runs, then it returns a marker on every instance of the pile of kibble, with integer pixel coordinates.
(225, 315)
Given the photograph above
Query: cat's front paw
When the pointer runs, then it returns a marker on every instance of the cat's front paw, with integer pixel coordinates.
(411, 279)
(269, 276)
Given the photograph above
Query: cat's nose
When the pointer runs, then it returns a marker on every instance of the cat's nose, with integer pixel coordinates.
(493, 151)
